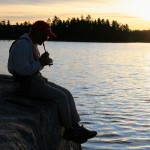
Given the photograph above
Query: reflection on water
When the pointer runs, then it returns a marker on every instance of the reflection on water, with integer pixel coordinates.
(110, 84)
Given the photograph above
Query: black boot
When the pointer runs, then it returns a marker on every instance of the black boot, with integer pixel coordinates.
(78, 134)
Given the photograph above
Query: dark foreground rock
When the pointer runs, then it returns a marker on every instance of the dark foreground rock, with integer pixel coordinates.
(27, 123)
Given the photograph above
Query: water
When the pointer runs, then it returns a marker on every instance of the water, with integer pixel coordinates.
(110, 84)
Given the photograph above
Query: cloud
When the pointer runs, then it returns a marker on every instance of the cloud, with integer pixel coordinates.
(119, 15)
(28, 2)
(126, 11)
(18, 2)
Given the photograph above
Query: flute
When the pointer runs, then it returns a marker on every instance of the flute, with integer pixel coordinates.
(48, 53)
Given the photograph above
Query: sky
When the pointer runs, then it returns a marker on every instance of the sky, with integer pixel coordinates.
(135, 13)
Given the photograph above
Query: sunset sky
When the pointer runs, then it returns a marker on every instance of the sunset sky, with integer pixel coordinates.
(135, 13)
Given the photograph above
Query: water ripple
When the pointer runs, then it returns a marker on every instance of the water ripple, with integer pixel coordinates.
(111, 86)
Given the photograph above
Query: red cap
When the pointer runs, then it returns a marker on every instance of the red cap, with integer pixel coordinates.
(44, 27)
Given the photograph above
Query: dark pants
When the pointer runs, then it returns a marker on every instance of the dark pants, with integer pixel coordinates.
(39, 88)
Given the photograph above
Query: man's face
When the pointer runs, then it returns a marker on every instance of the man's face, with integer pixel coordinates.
(41, 37)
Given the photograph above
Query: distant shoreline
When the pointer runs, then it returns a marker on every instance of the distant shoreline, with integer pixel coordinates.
(81, 30)
(80, 41)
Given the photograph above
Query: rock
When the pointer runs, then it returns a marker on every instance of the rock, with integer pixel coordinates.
(27, 123)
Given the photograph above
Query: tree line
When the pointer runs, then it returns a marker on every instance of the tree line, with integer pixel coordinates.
(80, 29)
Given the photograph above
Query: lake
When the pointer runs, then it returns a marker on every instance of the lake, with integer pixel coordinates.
(111, 86)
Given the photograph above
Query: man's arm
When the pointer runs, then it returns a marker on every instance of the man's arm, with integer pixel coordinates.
(22, 58)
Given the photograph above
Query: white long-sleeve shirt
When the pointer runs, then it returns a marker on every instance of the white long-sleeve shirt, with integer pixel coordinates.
(23, 57)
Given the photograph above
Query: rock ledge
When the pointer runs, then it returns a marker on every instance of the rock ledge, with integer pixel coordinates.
(27, 123)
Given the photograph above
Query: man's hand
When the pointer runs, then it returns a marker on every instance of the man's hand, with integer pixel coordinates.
(45, 60)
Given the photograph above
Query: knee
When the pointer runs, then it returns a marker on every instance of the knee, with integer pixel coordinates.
(67, 92)
(61, 95)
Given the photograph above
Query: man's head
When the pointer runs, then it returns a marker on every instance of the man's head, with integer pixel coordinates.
(40, 32)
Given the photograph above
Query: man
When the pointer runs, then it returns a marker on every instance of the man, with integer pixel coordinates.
(25, 64)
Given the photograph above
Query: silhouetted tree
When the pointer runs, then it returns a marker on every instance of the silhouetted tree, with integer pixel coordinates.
(80, 29)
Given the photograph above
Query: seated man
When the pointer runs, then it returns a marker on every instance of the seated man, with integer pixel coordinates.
(25, 64)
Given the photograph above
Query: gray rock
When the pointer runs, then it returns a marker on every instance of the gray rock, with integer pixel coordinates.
(27, 123)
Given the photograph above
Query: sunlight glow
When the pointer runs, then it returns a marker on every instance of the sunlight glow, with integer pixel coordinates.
(135, 13)
(141, 9)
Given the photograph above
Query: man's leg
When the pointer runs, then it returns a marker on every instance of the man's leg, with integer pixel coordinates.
(74, 114)
(79, 134)
(40, 89)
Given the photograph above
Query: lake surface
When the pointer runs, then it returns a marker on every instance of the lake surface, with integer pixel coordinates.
(111, 86)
